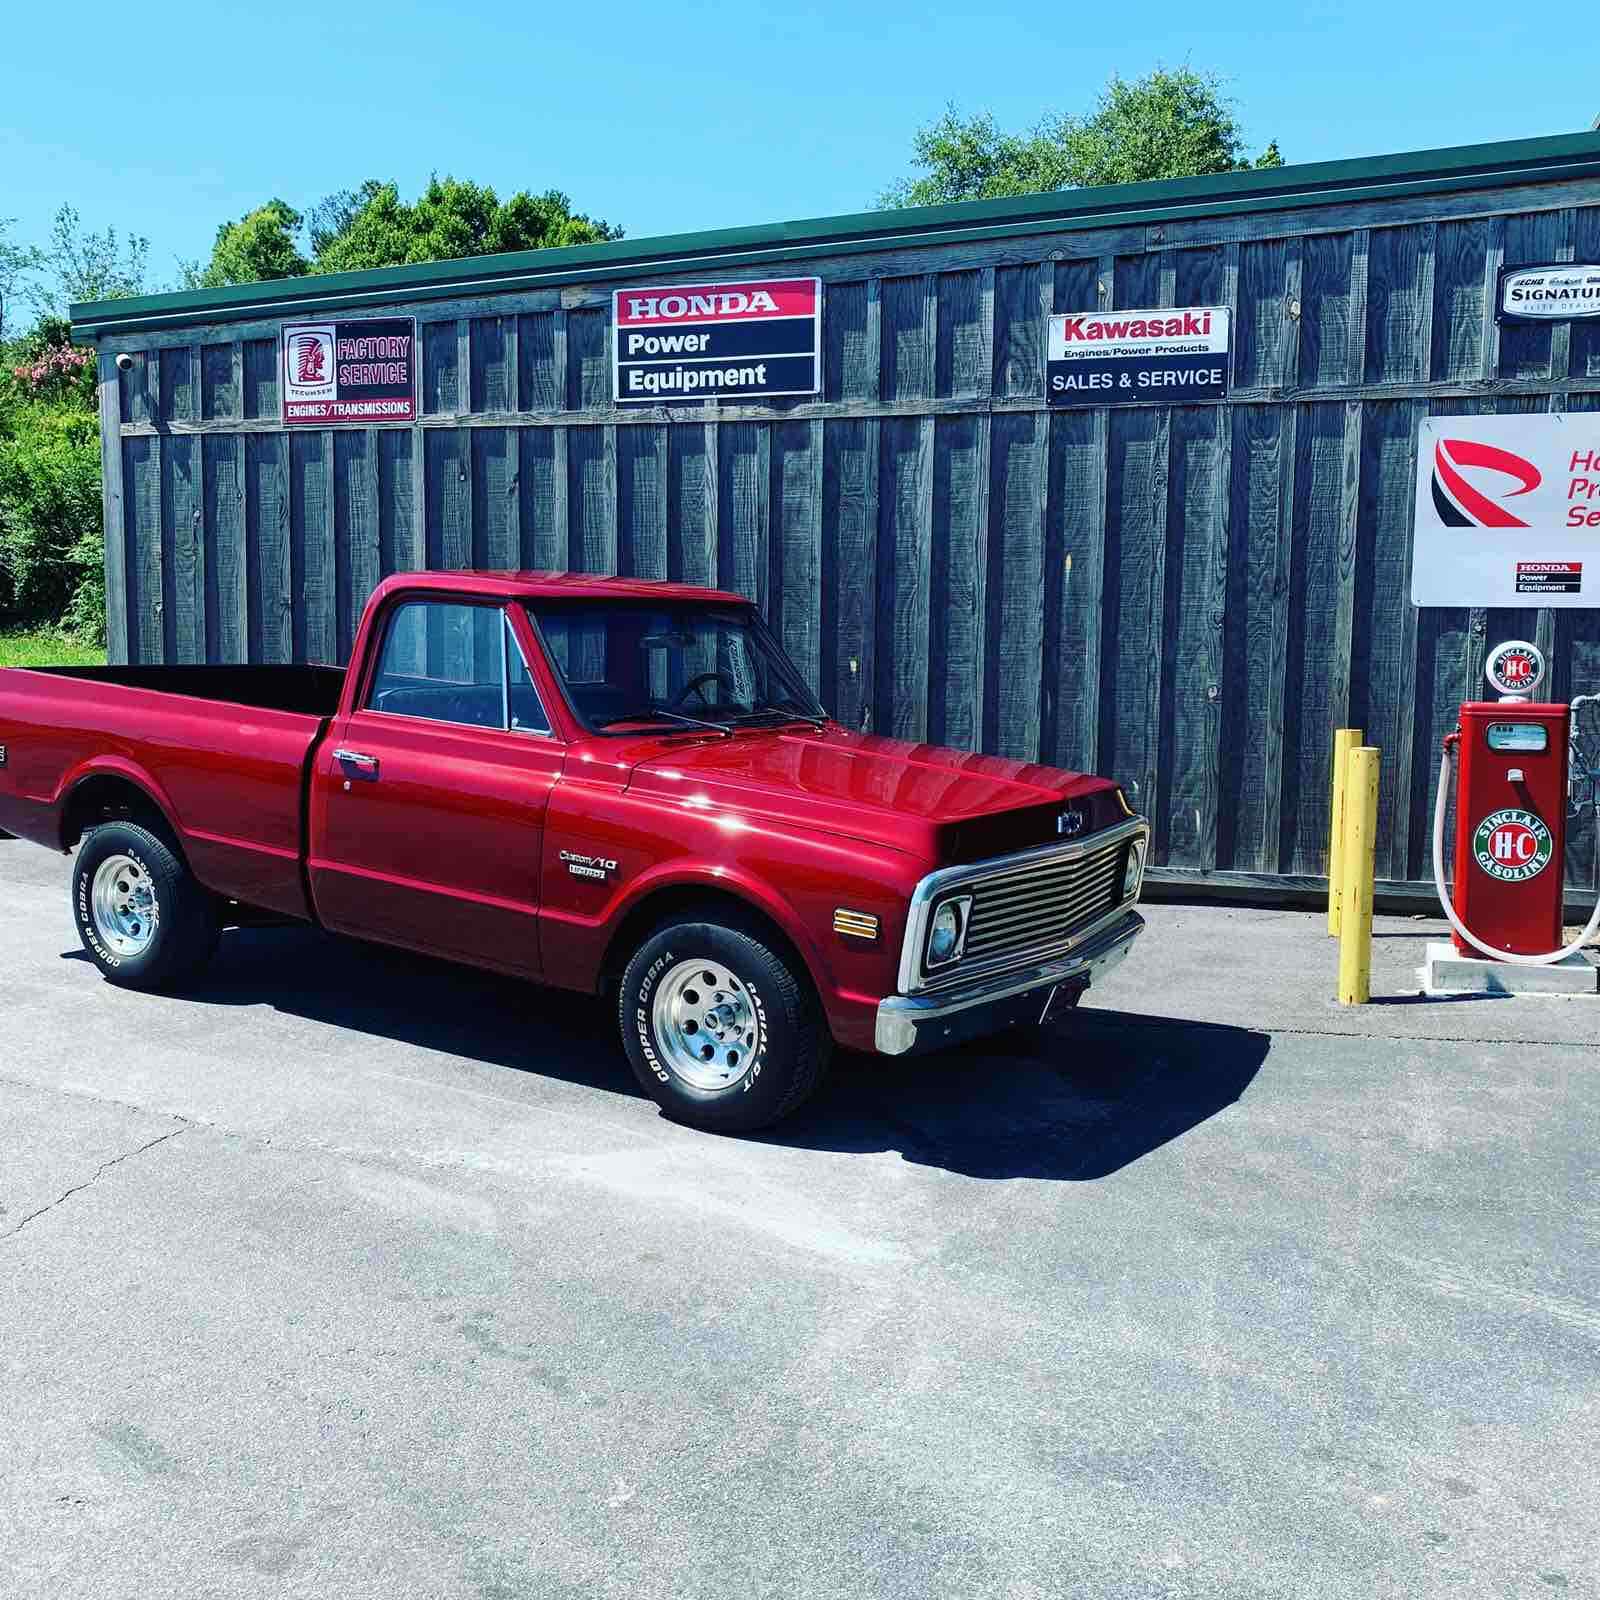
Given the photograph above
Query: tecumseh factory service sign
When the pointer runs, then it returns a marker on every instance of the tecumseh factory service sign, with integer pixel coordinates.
(687, 344)
(1116, 358)
(349, 371)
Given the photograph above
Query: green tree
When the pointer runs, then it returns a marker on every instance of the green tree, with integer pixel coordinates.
(1172, 123)
(258, 247)
(452, 218)
(79, 264)
(333, 215)
(16, 263)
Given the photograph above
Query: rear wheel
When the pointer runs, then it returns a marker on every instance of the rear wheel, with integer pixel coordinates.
(720, 1029)
(143, 919)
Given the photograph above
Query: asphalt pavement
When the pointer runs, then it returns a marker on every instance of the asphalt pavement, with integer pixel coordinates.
(349, 1274)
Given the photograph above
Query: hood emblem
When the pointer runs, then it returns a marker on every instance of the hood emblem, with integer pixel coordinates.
(1069, 824)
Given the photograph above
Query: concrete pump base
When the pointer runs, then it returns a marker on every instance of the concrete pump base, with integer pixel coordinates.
(1449, 972)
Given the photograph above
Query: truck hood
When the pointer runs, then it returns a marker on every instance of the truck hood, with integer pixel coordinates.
(946, 806)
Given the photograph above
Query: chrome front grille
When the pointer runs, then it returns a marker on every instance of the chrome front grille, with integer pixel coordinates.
(1028, 908)
(1034, 910)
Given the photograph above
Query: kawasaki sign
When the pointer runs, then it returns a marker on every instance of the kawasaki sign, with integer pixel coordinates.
(1159, 357)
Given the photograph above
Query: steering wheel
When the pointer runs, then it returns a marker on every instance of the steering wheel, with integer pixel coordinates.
(698, 686)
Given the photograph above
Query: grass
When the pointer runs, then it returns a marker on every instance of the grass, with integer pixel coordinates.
(47, 647)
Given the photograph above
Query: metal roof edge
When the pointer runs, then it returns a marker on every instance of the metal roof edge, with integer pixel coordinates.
(1272, 188)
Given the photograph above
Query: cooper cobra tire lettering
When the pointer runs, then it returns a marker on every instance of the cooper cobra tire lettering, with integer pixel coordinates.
(87, 929)
(794, 1047)
(646, 1043)
(187, 927)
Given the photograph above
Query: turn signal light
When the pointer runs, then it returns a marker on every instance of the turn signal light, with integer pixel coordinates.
(855, 924)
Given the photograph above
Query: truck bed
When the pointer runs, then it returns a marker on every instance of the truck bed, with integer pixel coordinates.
(307, 691)
(223, 751)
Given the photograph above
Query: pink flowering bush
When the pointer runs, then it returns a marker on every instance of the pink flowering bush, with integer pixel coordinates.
(48, 366)
(56, 368)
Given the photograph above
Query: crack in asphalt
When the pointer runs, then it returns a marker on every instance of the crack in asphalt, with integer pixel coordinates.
(88, 1183)
(1128, 1024)
(1428, 1038)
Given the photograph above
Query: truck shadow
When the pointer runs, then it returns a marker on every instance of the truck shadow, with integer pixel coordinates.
(1078, 1102)
(1095, 1093)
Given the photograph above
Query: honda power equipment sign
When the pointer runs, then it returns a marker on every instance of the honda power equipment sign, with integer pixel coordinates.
(693, 343)
(1508, 511)
(362, 372)
(1123, 357)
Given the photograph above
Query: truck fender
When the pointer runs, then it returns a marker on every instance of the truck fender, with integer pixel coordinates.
(124, 771)
(669, 881)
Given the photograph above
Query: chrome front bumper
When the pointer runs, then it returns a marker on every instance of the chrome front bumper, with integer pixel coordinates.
(908, 1023)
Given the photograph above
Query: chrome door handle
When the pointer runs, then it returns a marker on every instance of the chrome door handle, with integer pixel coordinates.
(367, 765)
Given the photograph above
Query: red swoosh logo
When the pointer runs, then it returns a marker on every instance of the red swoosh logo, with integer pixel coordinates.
(1469, 453)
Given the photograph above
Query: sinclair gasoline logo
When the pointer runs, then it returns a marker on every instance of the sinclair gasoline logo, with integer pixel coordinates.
(1515, 667)
(1512, 846)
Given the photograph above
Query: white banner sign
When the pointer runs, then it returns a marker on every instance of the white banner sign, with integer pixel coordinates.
(1162, 356)
(1508, 511)
(1553, 293)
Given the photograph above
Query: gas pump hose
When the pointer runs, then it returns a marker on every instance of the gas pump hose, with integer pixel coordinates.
(1440, 806)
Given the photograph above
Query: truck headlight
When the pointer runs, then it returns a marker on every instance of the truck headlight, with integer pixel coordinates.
(947, 931)
(1133, 873)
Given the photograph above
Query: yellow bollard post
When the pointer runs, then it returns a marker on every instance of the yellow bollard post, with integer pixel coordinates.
(1344, 741)
(1358, 863)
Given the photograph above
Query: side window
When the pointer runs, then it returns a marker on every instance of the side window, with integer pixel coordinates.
(522, 699)
(443, 660)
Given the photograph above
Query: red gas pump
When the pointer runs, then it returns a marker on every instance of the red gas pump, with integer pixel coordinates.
(1511, 824)
(1511, 817)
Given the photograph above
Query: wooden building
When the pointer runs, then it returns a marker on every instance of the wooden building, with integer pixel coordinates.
(1189, 598)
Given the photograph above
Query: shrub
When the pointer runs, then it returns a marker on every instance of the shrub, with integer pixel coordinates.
(51, 545)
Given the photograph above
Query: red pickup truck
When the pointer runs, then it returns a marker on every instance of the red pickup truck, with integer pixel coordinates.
(601, 784)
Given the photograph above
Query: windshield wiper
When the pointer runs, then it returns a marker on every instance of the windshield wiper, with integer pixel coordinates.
(768, 712)
(672, 716)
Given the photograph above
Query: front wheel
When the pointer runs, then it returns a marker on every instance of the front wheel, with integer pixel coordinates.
(720, 1029)
(141, 916)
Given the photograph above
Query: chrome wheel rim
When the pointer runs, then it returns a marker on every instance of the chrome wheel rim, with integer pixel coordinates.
(126, 913)
(707, 1029)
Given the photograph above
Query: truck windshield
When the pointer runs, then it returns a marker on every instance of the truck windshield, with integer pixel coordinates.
(623, 664)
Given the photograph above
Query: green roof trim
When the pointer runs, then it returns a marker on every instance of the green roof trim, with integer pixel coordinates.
(784, 244)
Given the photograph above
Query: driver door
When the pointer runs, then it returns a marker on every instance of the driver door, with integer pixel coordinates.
(428, 802)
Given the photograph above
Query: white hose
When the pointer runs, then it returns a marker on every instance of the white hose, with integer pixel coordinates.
(1439, 807)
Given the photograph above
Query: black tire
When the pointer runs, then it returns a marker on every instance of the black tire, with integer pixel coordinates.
(792, 1045)
(186, 926)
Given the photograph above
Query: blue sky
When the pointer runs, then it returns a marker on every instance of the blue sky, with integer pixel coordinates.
(167, 119)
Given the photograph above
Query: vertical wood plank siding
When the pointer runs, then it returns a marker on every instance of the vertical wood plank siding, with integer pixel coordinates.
(1189, 599)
